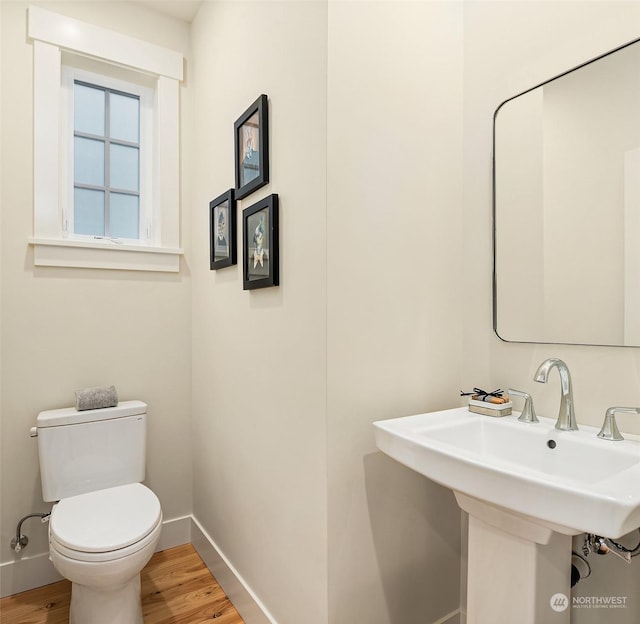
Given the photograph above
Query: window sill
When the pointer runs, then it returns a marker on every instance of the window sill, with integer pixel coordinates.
(104, 254)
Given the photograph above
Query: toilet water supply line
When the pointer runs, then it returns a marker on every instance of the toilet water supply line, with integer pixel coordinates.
(20, 541)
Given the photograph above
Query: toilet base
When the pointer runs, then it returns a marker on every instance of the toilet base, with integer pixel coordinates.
(116, 606)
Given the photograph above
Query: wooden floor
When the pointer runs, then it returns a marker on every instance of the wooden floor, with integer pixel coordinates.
(177, 588)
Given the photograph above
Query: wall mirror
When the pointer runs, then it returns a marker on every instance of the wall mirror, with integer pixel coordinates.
(566, 202)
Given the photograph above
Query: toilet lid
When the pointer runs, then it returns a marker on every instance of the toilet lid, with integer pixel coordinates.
(107, 519)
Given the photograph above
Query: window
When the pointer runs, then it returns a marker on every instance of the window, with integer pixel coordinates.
(105, 147)
(106, 162)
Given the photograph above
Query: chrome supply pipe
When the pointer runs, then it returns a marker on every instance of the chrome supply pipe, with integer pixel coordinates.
(21, 541)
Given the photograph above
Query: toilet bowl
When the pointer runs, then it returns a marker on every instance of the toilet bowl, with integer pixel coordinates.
(100, 541)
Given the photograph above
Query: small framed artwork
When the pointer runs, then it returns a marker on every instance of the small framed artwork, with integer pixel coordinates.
(252, 148)
(260, 244)
(222, 227)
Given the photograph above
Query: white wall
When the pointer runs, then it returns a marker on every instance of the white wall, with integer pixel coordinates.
(65, 329)
(510, 46)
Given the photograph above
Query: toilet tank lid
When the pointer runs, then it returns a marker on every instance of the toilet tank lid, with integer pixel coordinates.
(71, 416)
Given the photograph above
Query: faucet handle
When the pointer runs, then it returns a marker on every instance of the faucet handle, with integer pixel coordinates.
(610, 429)
(528, 414)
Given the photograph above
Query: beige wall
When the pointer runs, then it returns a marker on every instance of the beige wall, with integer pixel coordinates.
(518, 197)
(65, 329)
(495, 68)
(259, 357)
(612, 89)
(394, 301)
(365, 155)
(542, 39)
(381, 155)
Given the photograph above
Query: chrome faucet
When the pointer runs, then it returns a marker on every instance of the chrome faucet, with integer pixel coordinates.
(566, 416)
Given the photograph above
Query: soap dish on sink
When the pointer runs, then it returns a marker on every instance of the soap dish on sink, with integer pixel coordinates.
(490, 409)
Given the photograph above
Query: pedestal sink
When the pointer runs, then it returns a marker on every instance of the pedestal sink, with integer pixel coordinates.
(527, 488)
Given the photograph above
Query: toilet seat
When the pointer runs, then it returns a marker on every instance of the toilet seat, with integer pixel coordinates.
(105, 557)
(106, 524)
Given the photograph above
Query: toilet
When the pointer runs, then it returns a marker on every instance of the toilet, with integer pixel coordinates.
(105, 524)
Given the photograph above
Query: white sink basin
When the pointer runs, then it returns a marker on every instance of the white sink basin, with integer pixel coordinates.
(582, 484)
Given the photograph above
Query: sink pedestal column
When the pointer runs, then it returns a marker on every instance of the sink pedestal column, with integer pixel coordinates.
(518, 571)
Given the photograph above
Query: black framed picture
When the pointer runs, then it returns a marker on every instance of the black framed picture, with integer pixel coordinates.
(252, 148)
(260, 244)
(222, 227)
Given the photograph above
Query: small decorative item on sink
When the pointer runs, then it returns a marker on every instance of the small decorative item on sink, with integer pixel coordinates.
(494, 403)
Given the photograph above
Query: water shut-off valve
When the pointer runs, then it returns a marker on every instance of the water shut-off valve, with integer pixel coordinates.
(604, 546)
(20, 541)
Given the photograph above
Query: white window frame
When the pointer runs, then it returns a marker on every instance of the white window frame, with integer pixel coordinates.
(53, 35)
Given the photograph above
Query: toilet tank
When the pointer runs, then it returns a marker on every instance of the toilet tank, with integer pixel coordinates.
(91, 450)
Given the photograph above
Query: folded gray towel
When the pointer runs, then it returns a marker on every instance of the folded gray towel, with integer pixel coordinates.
(96, 398)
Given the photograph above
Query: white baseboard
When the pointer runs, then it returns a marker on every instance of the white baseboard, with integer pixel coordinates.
(174, 533)
(244, 600)
(455, 617)
(36, 570)
(26, 573)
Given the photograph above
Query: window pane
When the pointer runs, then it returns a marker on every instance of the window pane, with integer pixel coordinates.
(88, 212)
(88, 161)
(124, 167)
(124, 117)
(88, 109)
(124, 216)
